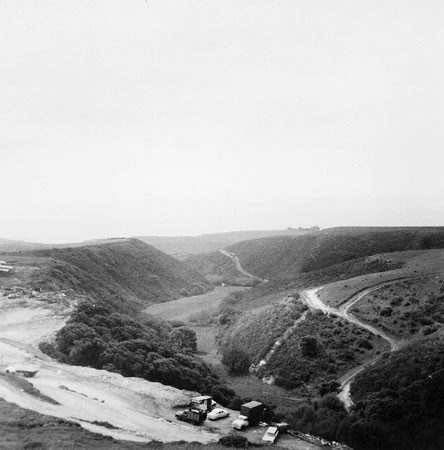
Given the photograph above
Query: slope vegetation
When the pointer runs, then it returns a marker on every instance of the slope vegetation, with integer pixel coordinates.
(129, 270)
(284, 257)
(127, 274)
(399, 400)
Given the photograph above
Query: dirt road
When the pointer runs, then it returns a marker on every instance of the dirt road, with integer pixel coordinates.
(310, 297)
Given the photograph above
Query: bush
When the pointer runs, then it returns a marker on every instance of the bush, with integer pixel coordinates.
(234, 441)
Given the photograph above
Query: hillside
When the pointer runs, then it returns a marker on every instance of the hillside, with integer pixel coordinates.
(182, 246)
(129, 273)
(283, 257)
(399, 400)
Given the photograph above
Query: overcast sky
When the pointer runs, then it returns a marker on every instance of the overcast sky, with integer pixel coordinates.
(159, 117)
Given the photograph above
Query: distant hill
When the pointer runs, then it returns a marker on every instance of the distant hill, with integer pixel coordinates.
(189, 245)
(125, 273)
(287, 256)
(8, 245)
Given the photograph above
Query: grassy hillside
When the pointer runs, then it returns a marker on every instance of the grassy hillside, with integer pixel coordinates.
(189, 245)
(129, 274)
(282, 257)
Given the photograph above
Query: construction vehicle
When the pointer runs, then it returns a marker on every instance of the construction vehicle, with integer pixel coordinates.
(196, 416)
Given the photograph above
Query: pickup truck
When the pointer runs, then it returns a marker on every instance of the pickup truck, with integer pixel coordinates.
(240, 423)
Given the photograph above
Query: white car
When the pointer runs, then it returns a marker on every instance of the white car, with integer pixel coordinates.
(240, 423)
(270, 435)
(218, 413)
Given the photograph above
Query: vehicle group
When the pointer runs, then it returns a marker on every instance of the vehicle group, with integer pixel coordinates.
(251, 414)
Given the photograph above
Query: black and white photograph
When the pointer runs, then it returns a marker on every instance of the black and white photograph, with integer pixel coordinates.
(221, 224)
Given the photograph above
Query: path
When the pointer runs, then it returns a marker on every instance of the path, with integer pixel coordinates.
(239, 267)
(278, 343)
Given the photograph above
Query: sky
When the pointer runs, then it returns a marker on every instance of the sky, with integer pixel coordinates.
(160, 117)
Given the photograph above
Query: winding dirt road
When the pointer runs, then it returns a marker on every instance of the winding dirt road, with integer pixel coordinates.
(310, 297)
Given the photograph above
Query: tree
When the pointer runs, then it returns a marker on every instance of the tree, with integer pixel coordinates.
(236, 359)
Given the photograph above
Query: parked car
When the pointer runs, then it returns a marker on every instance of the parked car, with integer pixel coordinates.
(270, 435)
(240, 423)
(218, 413)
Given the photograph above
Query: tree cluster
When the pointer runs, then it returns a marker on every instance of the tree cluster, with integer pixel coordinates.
(97, 336)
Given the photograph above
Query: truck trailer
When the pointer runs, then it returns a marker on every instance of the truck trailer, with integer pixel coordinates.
(253, 411)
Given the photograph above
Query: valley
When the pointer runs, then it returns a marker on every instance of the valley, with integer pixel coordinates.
(311, 339)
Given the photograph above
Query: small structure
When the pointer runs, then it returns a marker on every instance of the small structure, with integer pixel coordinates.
(24, 370)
